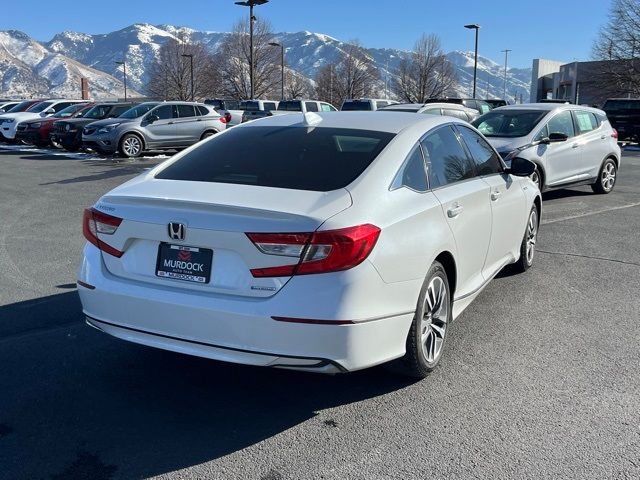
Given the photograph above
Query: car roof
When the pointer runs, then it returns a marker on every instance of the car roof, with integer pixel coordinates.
(548, 107)
(392, 122)
(420, 106)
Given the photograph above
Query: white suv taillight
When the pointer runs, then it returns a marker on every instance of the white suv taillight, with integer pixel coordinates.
(316, 252)
(94, 222)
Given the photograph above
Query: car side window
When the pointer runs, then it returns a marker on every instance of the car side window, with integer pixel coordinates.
(164, 112)
(311, 106)
(119, 110)
(328, 108)
(202, 111)
(447, 162)
(412, 174)
(486, 159)
(562, 123)
(585, 121)
(61, 106)
(543, 133)
(185, 111)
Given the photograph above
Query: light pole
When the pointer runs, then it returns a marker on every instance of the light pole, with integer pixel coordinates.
(124, 69)
(190, 57)
(476, 27)
(276, 44)
(252, 18)
(506, 59)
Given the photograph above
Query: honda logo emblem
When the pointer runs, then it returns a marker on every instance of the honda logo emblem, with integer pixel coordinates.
(177, 231)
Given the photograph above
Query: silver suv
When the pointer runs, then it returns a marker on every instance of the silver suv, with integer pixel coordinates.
(153, 126)
(570, 144)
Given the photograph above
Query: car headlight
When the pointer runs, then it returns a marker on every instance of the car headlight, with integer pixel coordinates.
(36, 125)
(9, 120)
(67, 127)
(108, 128)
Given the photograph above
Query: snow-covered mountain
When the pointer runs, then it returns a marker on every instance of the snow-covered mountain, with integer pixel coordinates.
(306, 53)
(28, 68)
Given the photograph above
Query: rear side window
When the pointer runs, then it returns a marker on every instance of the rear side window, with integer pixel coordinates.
(412, 174)
(562, 123)
(446, 159)
(586, 121)
(317, 159)
(486, 159)
(202, 111)
(186, 111)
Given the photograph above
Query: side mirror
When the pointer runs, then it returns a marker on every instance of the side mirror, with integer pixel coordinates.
(555, 137)
(49, 111)
(521, 167)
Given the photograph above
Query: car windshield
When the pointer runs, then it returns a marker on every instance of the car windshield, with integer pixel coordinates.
(356, 105)
(69, 111)
(39, 107)
(316, 159)
(249, 105)
(290, 106)
(19, 107)
(139, 110)
(508, 123)
(98, 112)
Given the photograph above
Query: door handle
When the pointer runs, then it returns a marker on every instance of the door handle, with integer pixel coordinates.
(169, 123)
(575, 145)
(495, 195)
(454, 211)
(602, 137)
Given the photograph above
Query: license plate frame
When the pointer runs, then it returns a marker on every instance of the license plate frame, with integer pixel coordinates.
(184, 263)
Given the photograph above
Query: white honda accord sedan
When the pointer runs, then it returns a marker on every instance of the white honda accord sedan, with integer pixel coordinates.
(325, 242)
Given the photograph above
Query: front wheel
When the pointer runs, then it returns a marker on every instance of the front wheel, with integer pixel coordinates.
(537, 178)
(607, 177)
(528, 245)
(130, 146)
(427, 335)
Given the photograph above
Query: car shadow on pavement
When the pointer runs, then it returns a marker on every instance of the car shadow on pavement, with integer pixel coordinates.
(565, 193)
(77, 403)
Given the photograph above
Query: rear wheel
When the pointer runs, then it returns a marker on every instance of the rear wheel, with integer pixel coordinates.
(427, 335)
(130, 146)
(607, 177)
(207, 135)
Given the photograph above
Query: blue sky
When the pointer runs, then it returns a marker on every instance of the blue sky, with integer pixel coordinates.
(531, 28)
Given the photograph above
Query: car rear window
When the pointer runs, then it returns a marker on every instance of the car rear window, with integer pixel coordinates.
(290, 106)
(621, 105)
(356, 105)
(317, 159)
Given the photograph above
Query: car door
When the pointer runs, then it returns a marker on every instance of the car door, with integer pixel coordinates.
(161, 132)
(464, 197)
(189, 126)
(507, 200)
(561, 159)
(594, 142)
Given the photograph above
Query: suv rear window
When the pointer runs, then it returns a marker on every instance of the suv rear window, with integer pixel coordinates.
(317, 159)
(291, 106)
(356, 105)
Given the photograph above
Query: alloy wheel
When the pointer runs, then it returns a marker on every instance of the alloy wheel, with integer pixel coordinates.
(531, 236)
(608, 177)
(433, 325)
(131, 146)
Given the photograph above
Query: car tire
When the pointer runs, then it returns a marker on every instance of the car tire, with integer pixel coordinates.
(207, 135)
(606, 177)
(536, 177)
(528, 245)
(130, 146)
(71, 147)
(428, 332)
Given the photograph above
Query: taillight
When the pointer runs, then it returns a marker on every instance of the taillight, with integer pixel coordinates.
(222, 120)
(317, 252)
(94, 222)
(227, 117)
(614, 134)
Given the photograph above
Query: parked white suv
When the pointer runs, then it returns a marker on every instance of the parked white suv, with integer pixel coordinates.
(365, 104)
(326, 242)
(570, 145)
(9, 121)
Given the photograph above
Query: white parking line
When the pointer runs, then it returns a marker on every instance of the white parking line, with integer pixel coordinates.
(587, 214)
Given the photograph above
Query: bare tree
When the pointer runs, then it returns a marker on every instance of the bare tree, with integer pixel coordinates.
(296, 85)
(425, 72)
(234, 56)
(354, 75)
(170, 75)
(619, 39)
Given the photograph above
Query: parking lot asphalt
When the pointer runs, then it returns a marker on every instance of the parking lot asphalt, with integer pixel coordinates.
(540, 378)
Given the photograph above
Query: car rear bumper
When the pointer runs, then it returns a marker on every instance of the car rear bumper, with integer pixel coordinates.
(239, 330)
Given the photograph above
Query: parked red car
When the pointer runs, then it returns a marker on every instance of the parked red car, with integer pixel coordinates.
(36, 132)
